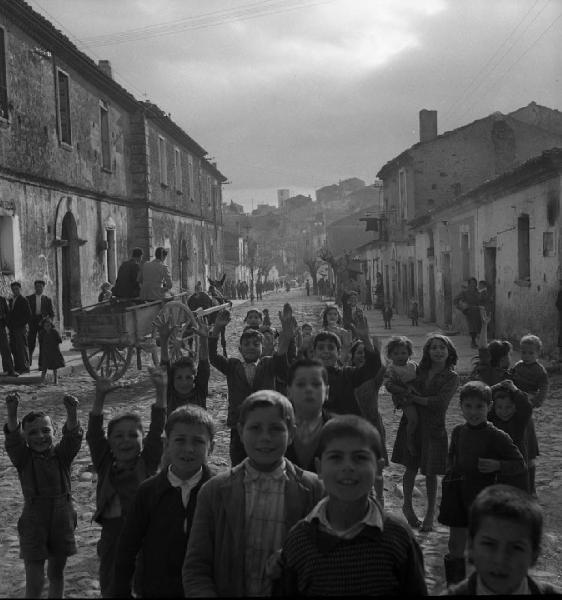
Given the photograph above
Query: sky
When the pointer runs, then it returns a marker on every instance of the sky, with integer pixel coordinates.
(300, 94)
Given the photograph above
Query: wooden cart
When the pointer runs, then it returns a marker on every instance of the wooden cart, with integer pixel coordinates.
(107, 333)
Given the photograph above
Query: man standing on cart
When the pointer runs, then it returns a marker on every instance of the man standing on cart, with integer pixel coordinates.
(154, 277)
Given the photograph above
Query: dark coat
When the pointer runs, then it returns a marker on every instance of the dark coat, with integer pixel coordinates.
(4, 309)
(46, 306)
(20, 313)
(127, 285)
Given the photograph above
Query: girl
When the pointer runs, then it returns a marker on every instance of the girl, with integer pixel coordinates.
(50, 356)
(367, 396)
(398, 378)
(332, 321)
(436, 382)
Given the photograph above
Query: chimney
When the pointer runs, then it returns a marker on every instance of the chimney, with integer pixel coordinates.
(428, 125)
(105, 66)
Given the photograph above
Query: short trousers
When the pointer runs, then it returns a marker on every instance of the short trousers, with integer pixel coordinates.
(46, 528)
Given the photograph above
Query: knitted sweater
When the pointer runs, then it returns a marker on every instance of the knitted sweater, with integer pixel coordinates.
(375, 562)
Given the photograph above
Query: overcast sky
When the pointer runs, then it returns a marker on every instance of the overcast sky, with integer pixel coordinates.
(301, 93)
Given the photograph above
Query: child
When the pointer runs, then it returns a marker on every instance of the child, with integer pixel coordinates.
(308, 391)
(122, 461)
(326, 347)
(477, 454)
(182, 383)
(252, 373)
(493, 358)
(348, 545)
(160, 518)
(387, 315)
(266, 318)
(50, 356)
(398, 378)
(304, 344)
(244, 514)
(414, 314)
(332, 321)
(511, 412)
(269, 336)
(253, 318)
(504, 542)
(46, 526)
(531, 377)
(105, 293)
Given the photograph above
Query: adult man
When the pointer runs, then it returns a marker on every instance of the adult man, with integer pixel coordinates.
(41, 306)
(7, 362)
(154, 277)
(127, 284)
(19, 315)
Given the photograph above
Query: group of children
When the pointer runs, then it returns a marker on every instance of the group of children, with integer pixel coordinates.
(300, 512)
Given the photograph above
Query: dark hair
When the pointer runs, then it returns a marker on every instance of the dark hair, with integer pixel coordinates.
(425, 362)
(350, 426)
(396, 342)
(354, 346)
(191, 415)
(253, 310)
(137, 252)
(498, 349)
(130, 416)
(39, 281)
(160, 253)
(185, 362)
(15, 284)
(502, 501)
(326, 336)
(266, 399)
(307, 324)
(31, 416)
(503, 390)
(46, 320)
(475, 389)
(325, 313)
(472, 279)
(304, 363)
(250, 333)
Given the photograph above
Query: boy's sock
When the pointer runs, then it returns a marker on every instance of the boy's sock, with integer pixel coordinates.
(455, 570)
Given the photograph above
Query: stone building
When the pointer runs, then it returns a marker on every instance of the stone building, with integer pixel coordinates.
(82, 177)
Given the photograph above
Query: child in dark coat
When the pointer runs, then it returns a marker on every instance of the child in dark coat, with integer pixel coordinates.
(50, 356)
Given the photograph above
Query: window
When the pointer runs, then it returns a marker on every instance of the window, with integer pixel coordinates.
(177, 171)
(163, 160)
(402, 194)
(104, 131)
(524, 255)
(548, 243)
(7, 263)
(63, 89)
(3, 77)
(190, 183)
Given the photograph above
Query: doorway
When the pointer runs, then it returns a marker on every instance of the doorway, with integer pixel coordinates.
(71, 289)
(447, 289)
(490, 277)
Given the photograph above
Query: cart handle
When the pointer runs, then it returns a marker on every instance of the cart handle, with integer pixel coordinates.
(203, 312)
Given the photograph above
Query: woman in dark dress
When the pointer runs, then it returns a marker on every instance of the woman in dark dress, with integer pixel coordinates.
(468, 302)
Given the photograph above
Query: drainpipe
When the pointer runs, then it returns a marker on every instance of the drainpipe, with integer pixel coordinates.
(68, 198)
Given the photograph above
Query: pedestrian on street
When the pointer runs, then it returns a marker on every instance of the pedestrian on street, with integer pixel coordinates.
(5, 352)
(387, 315)
(18, 318)
(414, 313)
(50, 356)
(41, 306)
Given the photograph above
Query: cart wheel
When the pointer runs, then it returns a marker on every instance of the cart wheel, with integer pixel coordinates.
(182, 341)
(107, 361)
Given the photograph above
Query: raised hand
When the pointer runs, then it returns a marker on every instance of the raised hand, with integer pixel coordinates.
(484, 315)
(289, 324)
(12, 402)
(222, 319)
(202, 328)
(70, 403)
(164, 325)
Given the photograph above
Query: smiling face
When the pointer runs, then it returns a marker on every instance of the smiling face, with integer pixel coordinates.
(438, 352)
(474, 410)
(183, 380)
(332, 316)
(504, 407)
(502, 553)
(253, 319)
(39, 434)
(359, 356)
(308, 391)
(529, 353)
(348, 468)
(125, 441)
(188, 447)
(265, 436)
(399, 355)
(251, 349)
(327, 351)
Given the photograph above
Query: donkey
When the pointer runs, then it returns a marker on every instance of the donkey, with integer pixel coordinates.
(213, 297)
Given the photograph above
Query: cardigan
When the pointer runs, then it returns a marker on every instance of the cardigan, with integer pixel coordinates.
(157, 526)
(215, 559)
(375, 562)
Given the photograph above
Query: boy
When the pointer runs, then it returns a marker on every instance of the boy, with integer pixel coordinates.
(252, 373)
(504, 539)
(243, 515)
(348, 545)
(159, 521)
(46, 526)
(122, 461)
(343, 380)
(308, 391)
(253, 318)
(478, 453)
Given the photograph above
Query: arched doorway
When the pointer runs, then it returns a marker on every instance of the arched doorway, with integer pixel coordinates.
(71, 291)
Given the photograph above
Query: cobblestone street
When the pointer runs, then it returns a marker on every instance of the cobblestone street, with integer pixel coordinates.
(137, 394)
